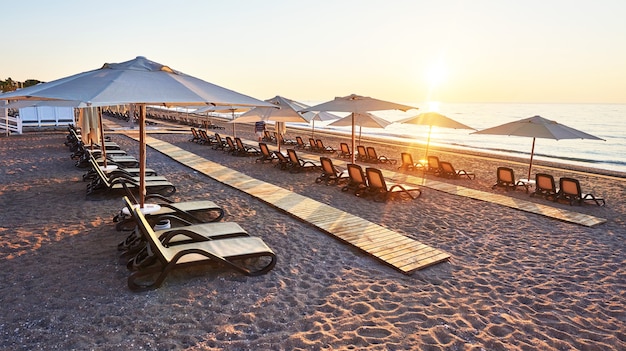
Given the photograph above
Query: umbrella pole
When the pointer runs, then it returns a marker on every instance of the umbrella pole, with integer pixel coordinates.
(142, 155)
(532, 152)
(353, 141)
(313, 129)
(104, 152)
(428, 142)
(233, 114)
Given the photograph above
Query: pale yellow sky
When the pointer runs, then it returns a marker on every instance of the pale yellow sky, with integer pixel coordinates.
(405, 51)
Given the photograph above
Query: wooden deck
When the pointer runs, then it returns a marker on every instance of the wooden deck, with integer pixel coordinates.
(394, 249)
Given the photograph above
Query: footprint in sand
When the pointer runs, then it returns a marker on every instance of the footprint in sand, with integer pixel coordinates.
(373, 332)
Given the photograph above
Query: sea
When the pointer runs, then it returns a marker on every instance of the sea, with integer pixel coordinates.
(606, 121)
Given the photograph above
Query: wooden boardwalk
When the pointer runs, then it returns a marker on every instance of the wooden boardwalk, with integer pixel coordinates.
(394, 249)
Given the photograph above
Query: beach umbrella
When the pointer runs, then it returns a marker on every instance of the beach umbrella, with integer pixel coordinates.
(319, 116)
(137, 81)
(222, 109)
(361, 119)
(357, 104)
(282, 112)
(537, 127)
(433, 119)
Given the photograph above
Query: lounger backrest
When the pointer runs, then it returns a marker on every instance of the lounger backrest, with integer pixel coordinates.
(345, 149)
(300, 141)
(356, 174)
(361, 150)
(371, 153)
(544, 181)
(229, 141)
(327, 166)
(375, 178)
(407, 159)
(148, 233)
(239, 143)
(312, 143)
(506, 175)
(293, 157)
(570, 186)
(264, 149)
(433, 162)
(281, 157)
(219, 139)
(103, 177)
(446, 167)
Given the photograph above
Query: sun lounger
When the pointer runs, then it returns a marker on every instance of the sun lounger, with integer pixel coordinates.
(330, 173)
(448, 171)
(228, 252)
(299, 164)
(506, 180)
(242, 149)
(408, 164)
(114, 170)
(545, 186)
(361, 153)
(219, 143)
(103, 183)
(195, 137)
(344, 150)
(266, 154)
(175, 233)
(322, 148)
(185, 212)
(570, 190)
(380, 190)
(300, 143)
(433, 165)
(374, 158)
(284, 141)
(357, 183)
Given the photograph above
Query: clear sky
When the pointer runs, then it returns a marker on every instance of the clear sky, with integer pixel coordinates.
(399, 50)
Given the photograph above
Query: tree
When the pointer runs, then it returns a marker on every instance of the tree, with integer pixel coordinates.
(7, 85)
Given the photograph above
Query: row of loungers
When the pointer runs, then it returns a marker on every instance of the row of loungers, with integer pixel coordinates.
(369, 183)
(195, 233)
(112, 173)
(545, 186)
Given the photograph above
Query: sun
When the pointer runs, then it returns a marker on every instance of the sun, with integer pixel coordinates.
(436, 74)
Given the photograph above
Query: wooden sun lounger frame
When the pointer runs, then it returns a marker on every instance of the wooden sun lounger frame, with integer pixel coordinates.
(226, 251)
(102, 182)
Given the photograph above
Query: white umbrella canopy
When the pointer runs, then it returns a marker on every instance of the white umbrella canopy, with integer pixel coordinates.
(319, 116)
(357, 104)
(225, 108)
(435, 119)
(281, 112)
(39, 103)
(361, 119)
(537, 127)
(138, 81)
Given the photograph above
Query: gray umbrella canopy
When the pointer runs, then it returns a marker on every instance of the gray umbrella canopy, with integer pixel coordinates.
(282, 111)
(220, 109)
(537, 127)
(357, 104)
(138, 81)
(361, 119)
(434, 119)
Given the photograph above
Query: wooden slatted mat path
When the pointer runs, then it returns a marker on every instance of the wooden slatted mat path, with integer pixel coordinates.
(523, 205)
(398, 251)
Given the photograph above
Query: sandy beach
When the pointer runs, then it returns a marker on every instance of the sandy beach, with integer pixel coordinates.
(515, 280)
